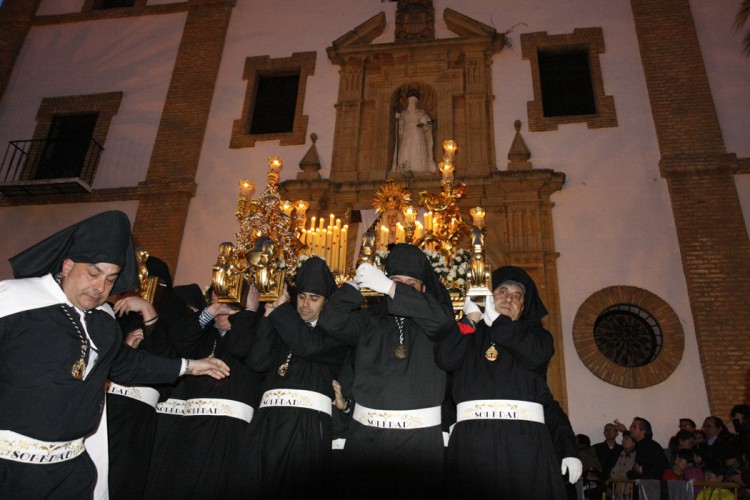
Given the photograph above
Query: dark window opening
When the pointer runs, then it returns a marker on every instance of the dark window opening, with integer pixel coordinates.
(628, 335)
(566, 82)
(275, 104)
(68, 148)
(113, 4)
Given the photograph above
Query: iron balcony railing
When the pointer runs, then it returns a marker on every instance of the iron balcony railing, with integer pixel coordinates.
(40, 159)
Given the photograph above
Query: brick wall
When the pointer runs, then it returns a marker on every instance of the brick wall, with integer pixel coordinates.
(15, 22)
(699, 172)
(170, 183)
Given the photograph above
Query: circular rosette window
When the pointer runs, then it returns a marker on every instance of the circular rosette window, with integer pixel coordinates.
(628, 337)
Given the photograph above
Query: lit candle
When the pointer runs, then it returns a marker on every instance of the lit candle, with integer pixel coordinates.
(301, 207)
(383, 238)
(410, 215)
(320, 224)
(333, 220)
(246, 187)
(428, 221)
(312, 223)
(336, 241)
(418, 230)
(400, 236)
(287, 207)
(446, 168)
(329, 246)
(342, 248)
(274, 163)
(477, 214)
(450, 146)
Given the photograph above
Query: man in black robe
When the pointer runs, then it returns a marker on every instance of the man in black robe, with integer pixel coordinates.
(202, 455)
(289, 454)
(395, 444)
(512, 439)
(59, 342)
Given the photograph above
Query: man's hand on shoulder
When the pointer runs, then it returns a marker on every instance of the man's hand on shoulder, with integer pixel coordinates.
(213, 367)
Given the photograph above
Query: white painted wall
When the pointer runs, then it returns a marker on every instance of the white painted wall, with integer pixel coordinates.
(136, 58)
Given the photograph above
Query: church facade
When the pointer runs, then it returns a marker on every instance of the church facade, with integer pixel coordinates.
(607, 142)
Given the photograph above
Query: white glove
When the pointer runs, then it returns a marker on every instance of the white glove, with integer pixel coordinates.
(573, 467)
(490, 314)
(470, 306)
(371, 277)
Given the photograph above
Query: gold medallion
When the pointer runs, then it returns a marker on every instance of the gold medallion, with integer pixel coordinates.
(283, 368)
(401, 351)
(79, 368)
(491, 353)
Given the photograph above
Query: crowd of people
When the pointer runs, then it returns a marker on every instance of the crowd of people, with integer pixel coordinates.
(370, 389)
(715, 453)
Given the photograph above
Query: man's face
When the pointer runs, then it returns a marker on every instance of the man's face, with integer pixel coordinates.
(309, 306)
(636, 432)
(87, 286)
(408, 280)
(610, 431)
(710, 428)
(509, 301)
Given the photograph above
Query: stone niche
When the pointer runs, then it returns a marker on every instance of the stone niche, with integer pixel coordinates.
(453, 76)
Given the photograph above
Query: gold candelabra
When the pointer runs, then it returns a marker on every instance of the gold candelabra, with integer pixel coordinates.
(442, 230)
(272, 240)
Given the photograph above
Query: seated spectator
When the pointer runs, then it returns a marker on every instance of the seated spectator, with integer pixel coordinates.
(713, 472)
(608, 451)
(684, 468)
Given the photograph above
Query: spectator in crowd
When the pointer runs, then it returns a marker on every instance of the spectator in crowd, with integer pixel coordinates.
(587, 453)
(720, 443)
(684, 467)
(608, 451)
(650, 459)
(684, 425)
(626, 460)
(713, 471)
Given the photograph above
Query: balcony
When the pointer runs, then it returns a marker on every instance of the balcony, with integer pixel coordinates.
(48, 167)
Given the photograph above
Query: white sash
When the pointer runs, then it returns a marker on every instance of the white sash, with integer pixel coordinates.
(171, 407)
(297, 398)
(499, 409)
(20, 448)
(395, 419)
(147, 395)
(208, 407)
